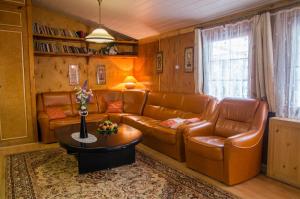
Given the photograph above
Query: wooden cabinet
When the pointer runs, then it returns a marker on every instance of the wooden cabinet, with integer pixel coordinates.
(16, 113)
(284, 150)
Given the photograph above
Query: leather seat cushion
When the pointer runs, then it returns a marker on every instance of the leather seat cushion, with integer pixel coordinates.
(166, 135)
(140, 122)
(117, 117)
(210, 147)
(76, 120)
(63, 122)
(96, 117)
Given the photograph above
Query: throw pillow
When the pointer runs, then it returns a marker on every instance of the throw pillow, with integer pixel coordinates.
(172, 123)
(114, 107)
(55, 113)
(192, 120)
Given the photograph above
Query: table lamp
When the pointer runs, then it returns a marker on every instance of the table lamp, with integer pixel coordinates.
(130, 82)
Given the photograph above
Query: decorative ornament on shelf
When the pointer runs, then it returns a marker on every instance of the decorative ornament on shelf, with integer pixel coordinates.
(107, 128)
(99, 35)
(130, 82)
(83, 97)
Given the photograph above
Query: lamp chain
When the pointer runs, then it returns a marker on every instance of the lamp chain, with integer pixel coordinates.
(99, 1)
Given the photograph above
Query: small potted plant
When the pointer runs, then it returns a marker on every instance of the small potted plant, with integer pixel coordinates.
(107, 128)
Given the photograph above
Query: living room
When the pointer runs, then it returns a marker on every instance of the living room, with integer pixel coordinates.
(149, 99)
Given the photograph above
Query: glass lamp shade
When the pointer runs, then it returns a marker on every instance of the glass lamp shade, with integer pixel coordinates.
(99, 35)
(130, 82)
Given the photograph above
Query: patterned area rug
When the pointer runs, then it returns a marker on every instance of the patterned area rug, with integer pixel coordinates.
(53, 174)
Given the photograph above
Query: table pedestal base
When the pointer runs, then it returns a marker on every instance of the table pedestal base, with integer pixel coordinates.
(94, 161)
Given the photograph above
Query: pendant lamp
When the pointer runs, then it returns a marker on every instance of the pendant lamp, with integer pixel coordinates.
(99, 35)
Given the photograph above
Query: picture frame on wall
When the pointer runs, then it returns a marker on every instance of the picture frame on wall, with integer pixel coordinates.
(159, 62)
(101, 74)
(73, 74)
(189, 60)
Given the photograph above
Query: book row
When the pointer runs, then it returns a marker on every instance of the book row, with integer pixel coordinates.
(47, 30)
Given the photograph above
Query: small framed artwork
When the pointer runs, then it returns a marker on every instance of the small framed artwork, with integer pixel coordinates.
(159, 62)
(189, 59)
(101, 74)
(73, 74)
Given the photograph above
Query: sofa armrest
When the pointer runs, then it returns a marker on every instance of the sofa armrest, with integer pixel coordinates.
(244, 140)
(199, 129)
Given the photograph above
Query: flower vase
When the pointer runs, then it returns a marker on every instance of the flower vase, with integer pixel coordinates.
(83, 128)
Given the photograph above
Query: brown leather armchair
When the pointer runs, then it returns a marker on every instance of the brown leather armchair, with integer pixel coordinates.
(228, 147)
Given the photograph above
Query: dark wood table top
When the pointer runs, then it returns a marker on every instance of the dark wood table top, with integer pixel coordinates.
(126, 136)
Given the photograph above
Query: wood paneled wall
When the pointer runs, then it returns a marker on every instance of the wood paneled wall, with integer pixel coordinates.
(51, 73)
(171, 79)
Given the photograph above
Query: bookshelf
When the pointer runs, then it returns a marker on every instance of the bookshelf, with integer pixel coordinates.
(50, 41)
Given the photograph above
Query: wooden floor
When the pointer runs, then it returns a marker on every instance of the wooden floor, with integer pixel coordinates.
(257, 188)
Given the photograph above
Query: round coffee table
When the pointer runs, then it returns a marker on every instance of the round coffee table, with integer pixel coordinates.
(108, 151)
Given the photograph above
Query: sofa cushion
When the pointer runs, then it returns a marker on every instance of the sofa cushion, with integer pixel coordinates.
(166, 135)
(117, 117)
(63, 122)
(210, 147)
(59, 100)
(134, 101)
(172, 100)
(55, 113)
(114, 107)
(235, 116)
(195, 103)
(140, 122)
(96, 117)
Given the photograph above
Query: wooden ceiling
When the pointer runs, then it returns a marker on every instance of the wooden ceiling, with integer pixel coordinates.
(144, 18)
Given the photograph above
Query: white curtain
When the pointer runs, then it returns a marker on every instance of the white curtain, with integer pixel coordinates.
(286, 40)
(261, 61)
(198, 67)
(226, 60)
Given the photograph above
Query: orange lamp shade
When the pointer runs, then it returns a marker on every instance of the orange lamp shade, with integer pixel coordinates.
(130, 82)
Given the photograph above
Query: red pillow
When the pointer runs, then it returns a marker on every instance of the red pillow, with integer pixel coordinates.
(55, 113)
(192, 120)
(114, 107)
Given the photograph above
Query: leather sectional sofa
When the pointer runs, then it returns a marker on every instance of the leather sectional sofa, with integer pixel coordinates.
(204, 143)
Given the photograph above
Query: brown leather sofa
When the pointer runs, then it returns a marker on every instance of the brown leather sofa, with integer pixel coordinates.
(133, 102)
(228, 146)
(163, 106)
(140, 110)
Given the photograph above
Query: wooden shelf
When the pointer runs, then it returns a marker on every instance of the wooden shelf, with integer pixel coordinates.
(115, 56)
(81, 55)
(60, 54)
(52, 37)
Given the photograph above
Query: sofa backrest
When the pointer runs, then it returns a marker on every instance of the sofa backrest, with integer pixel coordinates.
(105, 96)
(134, 101)
(60, 100)
(164, 106)
(235, 116)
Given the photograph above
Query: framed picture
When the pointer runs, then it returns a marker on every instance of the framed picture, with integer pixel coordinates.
(159, 62)
(101, 74)
(73, 74)
(189, 59)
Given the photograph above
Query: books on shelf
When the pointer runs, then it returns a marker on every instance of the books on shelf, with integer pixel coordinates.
(44, 47)
(40, 29)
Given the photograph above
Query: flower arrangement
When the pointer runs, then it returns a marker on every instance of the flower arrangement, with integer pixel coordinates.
(107, 128)
(83, 97)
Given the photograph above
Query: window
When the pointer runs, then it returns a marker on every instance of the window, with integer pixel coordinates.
(286, 41)
(226, 60)
(229, 68)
